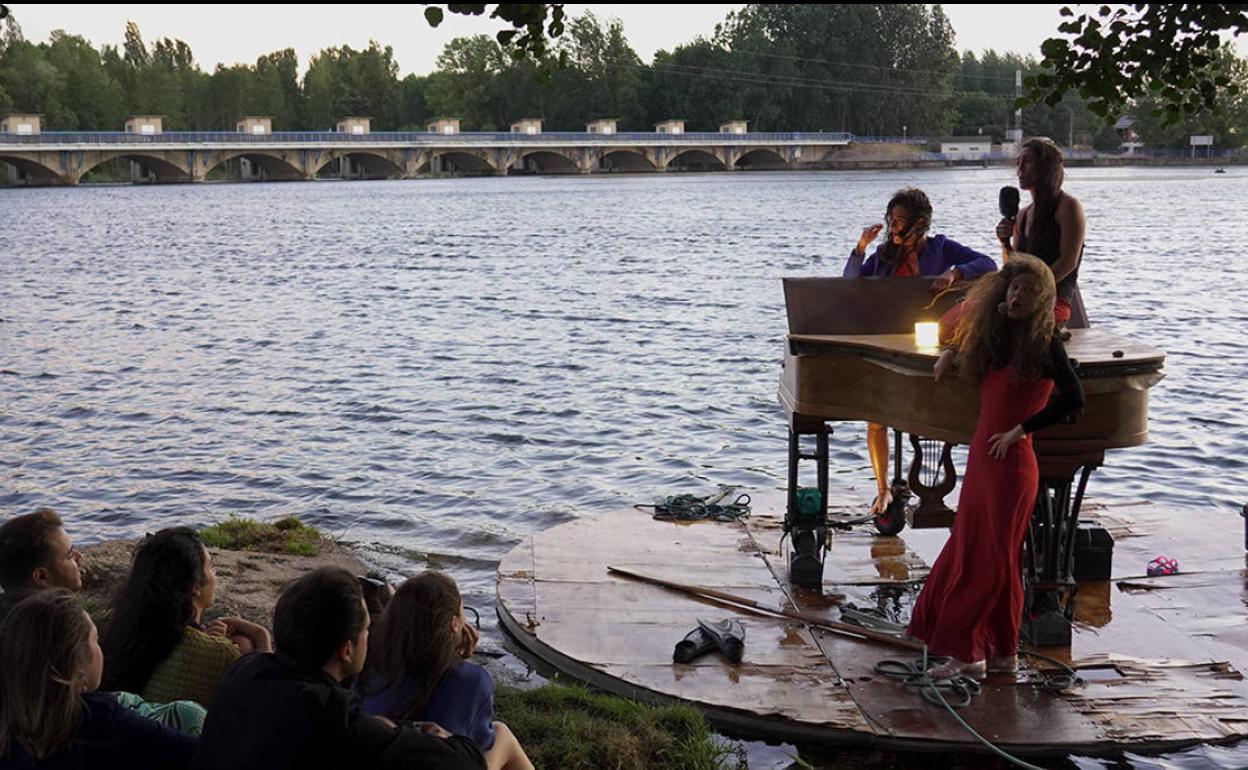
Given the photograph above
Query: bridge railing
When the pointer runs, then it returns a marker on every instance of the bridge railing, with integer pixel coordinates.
(417, 138)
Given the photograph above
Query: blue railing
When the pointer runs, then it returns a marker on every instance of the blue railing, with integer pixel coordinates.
(410, 137)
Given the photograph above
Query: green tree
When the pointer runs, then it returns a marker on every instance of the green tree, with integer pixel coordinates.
(693, 83)
(279, 76)
(1166, 51)
(856, 67)
(414, 111)
(608, 82)
(463, 84)
(1228, 125)
(91, 98)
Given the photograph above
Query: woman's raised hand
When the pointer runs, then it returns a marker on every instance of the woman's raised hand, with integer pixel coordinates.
(868, 235)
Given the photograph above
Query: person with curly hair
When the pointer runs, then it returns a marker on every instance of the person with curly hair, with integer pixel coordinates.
(971, 604)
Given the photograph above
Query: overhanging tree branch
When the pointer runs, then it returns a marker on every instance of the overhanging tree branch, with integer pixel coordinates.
(1165, 50)
(534, 25)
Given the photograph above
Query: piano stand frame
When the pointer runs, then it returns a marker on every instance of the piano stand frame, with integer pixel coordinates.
(1049, 585)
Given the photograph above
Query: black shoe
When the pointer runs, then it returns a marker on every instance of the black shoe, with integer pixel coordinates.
(729, 635)
(695, 644)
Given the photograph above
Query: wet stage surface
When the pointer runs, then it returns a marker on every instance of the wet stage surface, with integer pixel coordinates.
(1160, 658)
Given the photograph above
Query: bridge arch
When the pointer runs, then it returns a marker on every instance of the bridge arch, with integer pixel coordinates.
(161, 170)
(625, 161)
(461, 161)
(761, 159)
(362, 164)
(545, 161)
(271, 165)
(696, 160)
(31, 171)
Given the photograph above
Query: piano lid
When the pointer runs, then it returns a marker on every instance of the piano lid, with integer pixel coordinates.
(870, 305)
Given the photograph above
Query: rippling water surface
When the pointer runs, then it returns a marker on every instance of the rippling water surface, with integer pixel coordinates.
(442, 367)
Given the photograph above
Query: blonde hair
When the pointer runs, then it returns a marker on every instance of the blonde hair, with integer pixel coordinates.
(988, 339)
(45, 639)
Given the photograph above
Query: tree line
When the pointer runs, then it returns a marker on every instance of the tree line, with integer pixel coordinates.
(882, 70)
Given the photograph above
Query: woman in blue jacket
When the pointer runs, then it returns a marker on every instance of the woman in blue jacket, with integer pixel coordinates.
(907, 252)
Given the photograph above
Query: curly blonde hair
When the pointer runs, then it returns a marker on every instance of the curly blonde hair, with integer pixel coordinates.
(989, 339)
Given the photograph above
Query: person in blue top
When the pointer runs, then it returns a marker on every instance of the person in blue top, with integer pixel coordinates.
(418, 670)
(908, 252)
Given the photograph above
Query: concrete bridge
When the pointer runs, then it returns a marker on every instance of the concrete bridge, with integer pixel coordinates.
(66, 157)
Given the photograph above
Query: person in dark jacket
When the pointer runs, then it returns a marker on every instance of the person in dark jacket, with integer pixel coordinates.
(51, 717)
(288, 710)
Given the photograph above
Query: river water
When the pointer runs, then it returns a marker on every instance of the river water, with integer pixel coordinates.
(438, 368)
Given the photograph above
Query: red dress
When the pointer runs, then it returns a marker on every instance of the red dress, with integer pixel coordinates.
(972, 603)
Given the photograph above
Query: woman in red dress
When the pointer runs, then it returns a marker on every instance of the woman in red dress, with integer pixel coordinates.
(971, 605)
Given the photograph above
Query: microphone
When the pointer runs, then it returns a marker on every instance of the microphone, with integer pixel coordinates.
(1007, 201)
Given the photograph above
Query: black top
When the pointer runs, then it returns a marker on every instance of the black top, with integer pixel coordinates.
(111, 737)
(270, 714)
(1049, 247)
(1067, 395)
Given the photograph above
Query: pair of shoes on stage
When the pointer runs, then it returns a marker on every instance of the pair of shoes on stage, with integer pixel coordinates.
(727, 636)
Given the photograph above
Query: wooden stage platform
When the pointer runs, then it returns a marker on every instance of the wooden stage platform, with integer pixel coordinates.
(1161, 658)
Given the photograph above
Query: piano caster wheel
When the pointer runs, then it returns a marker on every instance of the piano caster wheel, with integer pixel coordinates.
(892, 519)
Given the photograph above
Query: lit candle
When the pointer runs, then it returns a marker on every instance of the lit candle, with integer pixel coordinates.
(927, 334)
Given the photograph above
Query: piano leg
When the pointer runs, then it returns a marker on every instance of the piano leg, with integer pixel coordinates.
(1049, 584)
(806, 520)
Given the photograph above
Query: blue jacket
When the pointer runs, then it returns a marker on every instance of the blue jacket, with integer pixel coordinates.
(939, 254)
(463, 703)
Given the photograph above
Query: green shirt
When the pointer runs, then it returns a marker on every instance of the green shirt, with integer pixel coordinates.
(192, 670)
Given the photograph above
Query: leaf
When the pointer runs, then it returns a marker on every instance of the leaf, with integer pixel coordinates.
(433, 15)
(1066, 11)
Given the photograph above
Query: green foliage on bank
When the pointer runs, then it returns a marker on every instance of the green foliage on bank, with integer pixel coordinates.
(572, 728)
(287, 536)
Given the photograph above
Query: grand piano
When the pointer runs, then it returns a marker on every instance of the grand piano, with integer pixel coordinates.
(852, 355)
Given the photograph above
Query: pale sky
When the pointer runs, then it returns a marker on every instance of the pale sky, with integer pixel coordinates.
(229, 34)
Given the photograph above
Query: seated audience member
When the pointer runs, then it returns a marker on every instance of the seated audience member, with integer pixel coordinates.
(155, 644)
(418, 669)
(36, 554)
(908, 251)
(51, 715)
(288, 710)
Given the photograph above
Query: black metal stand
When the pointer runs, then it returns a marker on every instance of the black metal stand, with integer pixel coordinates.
(1049, 584)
